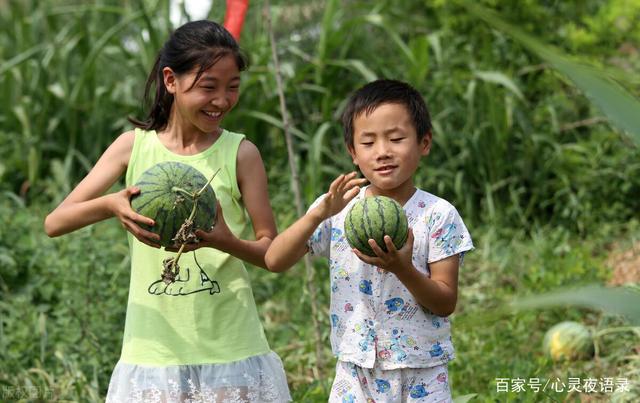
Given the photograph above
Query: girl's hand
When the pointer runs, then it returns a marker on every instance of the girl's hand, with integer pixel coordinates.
(120, 206)
(341, 191)
(394, 260)
(215, 238)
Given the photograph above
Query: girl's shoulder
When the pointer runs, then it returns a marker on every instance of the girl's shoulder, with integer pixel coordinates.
(122, 146)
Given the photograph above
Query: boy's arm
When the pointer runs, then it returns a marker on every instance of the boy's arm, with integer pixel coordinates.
(438, 292)
(290, 245)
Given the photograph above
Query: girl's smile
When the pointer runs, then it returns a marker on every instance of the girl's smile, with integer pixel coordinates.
(202, 102)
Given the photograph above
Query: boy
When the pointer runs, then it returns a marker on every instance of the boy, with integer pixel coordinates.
(389, 326)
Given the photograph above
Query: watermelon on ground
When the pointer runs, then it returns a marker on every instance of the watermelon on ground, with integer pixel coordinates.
(568, 341)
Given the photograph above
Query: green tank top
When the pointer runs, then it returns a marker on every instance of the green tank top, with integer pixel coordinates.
(208, 315)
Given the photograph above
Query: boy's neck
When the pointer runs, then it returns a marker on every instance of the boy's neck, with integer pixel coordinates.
(401, 194)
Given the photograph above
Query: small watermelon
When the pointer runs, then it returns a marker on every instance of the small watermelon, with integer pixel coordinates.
(568, 341)
(373, 218)
(164, 196)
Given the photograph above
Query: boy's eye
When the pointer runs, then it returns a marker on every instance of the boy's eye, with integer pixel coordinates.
(397, 139)
(368, 143)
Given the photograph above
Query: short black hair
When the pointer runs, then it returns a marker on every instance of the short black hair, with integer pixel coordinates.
(384, 91)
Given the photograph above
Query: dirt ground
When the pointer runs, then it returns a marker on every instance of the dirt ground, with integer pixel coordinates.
(625, 263)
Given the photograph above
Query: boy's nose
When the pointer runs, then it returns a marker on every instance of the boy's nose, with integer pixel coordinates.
(382, 150)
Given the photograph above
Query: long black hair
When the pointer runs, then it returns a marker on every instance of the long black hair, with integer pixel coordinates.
(195, 44)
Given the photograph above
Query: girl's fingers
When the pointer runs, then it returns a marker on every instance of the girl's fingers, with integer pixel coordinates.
(143, 236)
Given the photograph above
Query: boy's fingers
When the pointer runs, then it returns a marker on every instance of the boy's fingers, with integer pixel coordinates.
(389, 242)
(376, 249)
(336, 182)
(410, 238)
(361, 256)
(351, 193)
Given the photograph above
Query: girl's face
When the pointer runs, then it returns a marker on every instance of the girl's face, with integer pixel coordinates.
(386, 148)
(204, 104)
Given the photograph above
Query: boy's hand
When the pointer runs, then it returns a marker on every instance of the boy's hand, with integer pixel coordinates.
(394, 260)
(341, 191)
(216, 237)
(120, 206)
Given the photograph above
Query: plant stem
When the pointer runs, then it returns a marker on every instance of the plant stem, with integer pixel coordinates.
(181, 190)
(207, 184)
(194, 197)
(295, 181)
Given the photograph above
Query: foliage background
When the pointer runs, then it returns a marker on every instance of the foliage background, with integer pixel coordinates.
(545, 184)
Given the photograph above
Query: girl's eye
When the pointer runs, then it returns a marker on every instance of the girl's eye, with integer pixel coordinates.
(367, 143)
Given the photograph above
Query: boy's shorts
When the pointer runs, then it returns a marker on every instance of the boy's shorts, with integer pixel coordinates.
(354, 384)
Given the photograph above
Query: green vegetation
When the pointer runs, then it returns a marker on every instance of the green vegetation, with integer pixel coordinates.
(537, 148)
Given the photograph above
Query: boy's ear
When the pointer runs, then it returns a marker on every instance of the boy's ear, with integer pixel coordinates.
(425, 143)
(352, 153)
(169, 79)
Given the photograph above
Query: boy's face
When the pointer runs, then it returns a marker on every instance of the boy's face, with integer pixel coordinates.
(386, 147)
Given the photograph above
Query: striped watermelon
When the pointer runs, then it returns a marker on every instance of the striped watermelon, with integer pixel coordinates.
(568, 341)
(160, 200)
(373, 218)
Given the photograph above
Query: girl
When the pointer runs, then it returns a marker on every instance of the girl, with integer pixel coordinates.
(199, 337)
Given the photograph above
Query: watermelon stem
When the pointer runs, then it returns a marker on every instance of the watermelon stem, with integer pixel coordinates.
(207, 184)
(174, 268)
(181, 190)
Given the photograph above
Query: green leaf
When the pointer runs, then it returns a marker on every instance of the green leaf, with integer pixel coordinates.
(619, 106)
(465, 398)
(499, 78)
(617, 301)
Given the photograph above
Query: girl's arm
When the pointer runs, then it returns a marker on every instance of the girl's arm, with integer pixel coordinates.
(86, 204)
(252, 182)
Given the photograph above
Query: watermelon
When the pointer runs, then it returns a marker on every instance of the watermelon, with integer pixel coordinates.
(373, 218)
(568, 341)
(168, 194)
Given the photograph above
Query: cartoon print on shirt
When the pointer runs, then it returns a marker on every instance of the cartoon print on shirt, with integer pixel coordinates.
(382, 385)
(367, 333)
(394, 304)
(365, 287)
(418, 391)
(436, 350)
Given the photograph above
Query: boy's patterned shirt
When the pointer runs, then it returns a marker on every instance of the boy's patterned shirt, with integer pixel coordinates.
(375, 320)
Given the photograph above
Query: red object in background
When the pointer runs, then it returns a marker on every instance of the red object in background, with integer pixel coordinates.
(234, 16)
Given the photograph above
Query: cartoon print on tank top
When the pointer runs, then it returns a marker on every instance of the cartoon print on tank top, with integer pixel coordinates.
(186, 283)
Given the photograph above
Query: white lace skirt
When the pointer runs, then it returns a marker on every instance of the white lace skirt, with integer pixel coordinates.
(256, 379)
